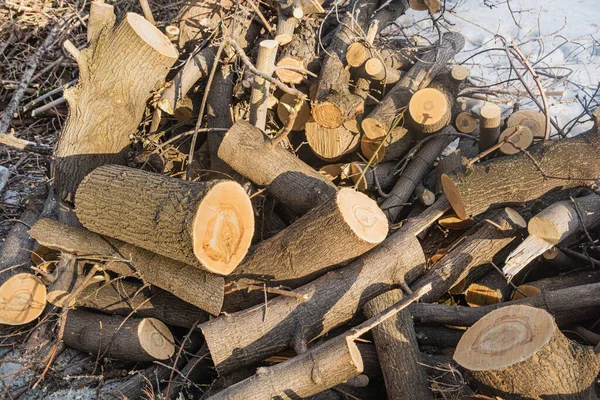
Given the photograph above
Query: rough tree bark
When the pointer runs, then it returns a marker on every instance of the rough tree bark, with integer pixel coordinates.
(118, 73)
(299, 53)
(565, 163)
(206, 224)
(295, 184)
(197, 287)
(556, 282)
(398, 350)
(519, 352)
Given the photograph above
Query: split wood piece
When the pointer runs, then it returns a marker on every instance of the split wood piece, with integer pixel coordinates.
(456, 161)
(295, 184)
(438, 336)
(429, 110)
(519, 351)
(122, 297)
(466, 122)
(206, 224)
(332, 103)
(489, 126)
(381, 119)
(133, 339)
(491, 288)
(321, 368)
(22, 294)
(567, 163)
(330, 144)
(187, 282)
(379, 175)
(265, 62)
(415, 172)
(101, 117)
(288, 101)
(395, 145)
(564, 312)
(520, 136)
(534, 120)
(247, 337)
(376, 70)
(556, 282)
(351, 220)
(398, 353)
(68, 278)
(300, 53)
(553, 225)
(478, 247)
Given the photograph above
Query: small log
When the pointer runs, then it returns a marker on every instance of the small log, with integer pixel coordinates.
(187, 282)
(379, 175)
(401, 60)
(330, 144)
(520, 135)
(459, 73)
(558, 258)
(381, 119)
(566, 163)
(395, 145)
(377, 71)
(414, 173)
(534, 120)
(424, 195)
(478, 247)
(429, 110)
(438, 336)
(404, 377)
(295, 184)
(519, 351)
(564, 312)
(134, 339)
(265, 62)
(456, 161)
(288, 101)
(299, 53)
(553, 225)
(287, 23)
(489, 126)
(101, 118)
(172, 32)
(121, 297)
(556, 282)
(68, 277)
(491, 288)
(466, 122)
(205, 224)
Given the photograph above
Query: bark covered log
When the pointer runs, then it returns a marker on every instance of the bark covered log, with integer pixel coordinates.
(519, 352)
(565, 163)
(295, 184)
(206, 224)
(299, 53)
(557, 282)
(202, 289)
(118, 72)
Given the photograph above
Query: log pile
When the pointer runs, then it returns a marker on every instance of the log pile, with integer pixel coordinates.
(358, 266)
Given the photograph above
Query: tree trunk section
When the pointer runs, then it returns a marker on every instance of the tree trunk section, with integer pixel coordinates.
(491, 288)
(556, 283)
(330, 144)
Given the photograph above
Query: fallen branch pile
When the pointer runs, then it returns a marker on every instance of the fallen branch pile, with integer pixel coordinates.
(229, 259)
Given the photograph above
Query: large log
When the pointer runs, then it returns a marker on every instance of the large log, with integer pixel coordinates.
(206, 224)
(519, 352)
(247, 150)
(118, 72)
(382, 118)
(133, 339)
(564, 312)
(197, 287)
(398, 350)
(247, 337)
(565, 163)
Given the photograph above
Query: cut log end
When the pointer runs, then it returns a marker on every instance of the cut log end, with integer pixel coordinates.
(283, 38)
(452, 222)
(368, 147)
(288, 75)
(357, 54)
(356, 171)
(515, 217)
(330, 144)
(466, 122)
(522, 139)
(525, 291)
(327, 114)
(362, 215)
(152, 35)
(223, 227)
(354, 354)
(22, 299)
(156, 339)
(372, 128)
(288, 100)
(454, 197)
(490, 115)
(459, 73)
(374, 66)
(524, 330)
(429, 109)
(534, 120)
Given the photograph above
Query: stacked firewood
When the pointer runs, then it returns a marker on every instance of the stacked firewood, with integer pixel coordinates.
(327, 209)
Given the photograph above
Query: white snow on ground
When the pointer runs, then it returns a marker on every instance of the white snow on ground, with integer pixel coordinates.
(560, 38)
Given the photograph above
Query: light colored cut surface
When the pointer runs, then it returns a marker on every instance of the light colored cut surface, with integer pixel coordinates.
(357, 54)
(363, 215)
(531, 248)
(328, 114)
(330, 143)
(156, 338)
(368, 147)
(283, 113)
(453, 196)
(466, 122)
(504, 337)
(288, 75)
(223, 227)
(459, 72)
(22, 299)
(523, 139)
(534, 120)
(490, 115)
(455, 223)
(151, 35)
(526, 290)
(429, 108)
